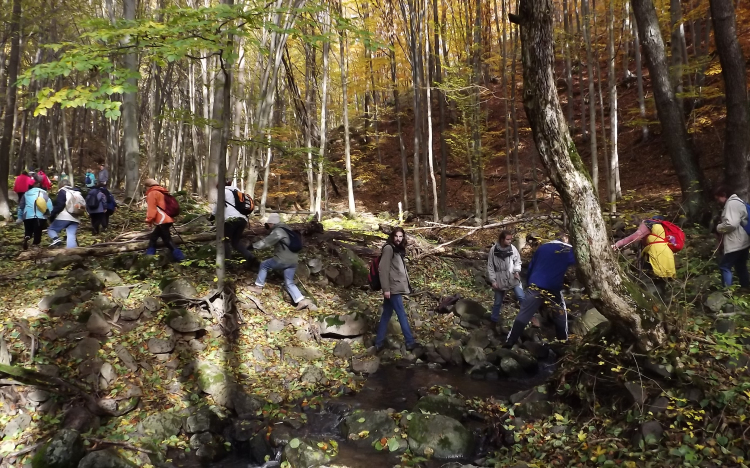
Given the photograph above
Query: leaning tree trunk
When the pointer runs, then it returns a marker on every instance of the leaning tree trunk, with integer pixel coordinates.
(737, 141)
(689, 173)
(5, 143)
(610, 291)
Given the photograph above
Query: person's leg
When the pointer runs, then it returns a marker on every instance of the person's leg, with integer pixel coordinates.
(166, 237)
(265, 267)
(236, 239)
(725, 267)
(54, 229)
(28, 231)
(384, 319)
(105, 220)
(398, 306)
(529, 307)
(40, 226)
(94, 223)
(71, 230)
(497, 306)
(520, 295)
(292, 288)
(740, 267)
(153, 238)
(229, 227)
(559, 314)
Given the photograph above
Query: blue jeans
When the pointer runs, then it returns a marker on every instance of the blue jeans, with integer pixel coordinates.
(738, 260)
(289, 270)
(71, 227)
(500, 295)
(395, 303)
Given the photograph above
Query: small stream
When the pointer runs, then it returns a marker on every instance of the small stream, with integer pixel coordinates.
(392, 386)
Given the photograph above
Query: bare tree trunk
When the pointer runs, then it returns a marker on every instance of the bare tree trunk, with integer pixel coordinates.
(568, 65)
(689, 173)
(676, 69)
(592, 96)
(323, 116)
(639, 82)
(435, 212)
(345, 105)
(309, 103)
(612, 294)
(614, 159)
(130, 113)
(737, 140)
(10, 106)
(516, 142)
(441, 105)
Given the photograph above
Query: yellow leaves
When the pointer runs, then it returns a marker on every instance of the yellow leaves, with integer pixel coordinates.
(363, 434)
(581, 436)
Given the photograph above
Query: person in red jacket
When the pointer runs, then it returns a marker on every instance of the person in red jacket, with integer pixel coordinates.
(46, 183)
(162, 222)
(22, 185)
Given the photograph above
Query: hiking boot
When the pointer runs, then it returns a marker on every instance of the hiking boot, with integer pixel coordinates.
(178, 255)
(255, 289)
(26, 240)
(151, 251)
(413, 346)
(55, 242)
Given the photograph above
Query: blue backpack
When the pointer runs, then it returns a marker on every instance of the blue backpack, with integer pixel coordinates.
(89, 179)
(295, 240)
(746, 227)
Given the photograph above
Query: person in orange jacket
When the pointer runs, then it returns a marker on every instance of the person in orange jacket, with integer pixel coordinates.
(162, 222)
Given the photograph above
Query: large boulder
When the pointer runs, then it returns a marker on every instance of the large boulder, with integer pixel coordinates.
(473, 355)
(305, 454)
(365, 427)
(441, 404)
(348, 325)
(85, 349)
(438, 436)
(206, 446)
(470, 311)
(64, 450)
(186, 322)
(204, 419)
(587, 322)
(97, 324)
(160, 346)
(180, 287)
(60, 296)
(161, 426)
(110, 278)
(365, 364)
(211, 378)
(511, 367)
(108, 458)
(716, 300)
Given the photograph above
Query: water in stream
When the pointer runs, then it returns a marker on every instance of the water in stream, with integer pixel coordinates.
(394, 387)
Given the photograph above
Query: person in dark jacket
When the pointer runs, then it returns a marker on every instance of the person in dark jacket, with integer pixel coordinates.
(504, 272)
(394, 281)
(545, 282)
(62, 219)
(96, 205)
(110, 206)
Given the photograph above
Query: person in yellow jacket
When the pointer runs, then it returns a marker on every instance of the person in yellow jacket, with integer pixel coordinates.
(656, 248)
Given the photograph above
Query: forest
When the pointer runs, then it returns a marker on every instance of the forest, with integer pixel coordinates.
(446, 130)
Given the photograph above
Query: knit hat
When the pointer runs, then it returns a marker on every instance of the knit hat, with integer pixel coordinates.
(64, 183)
(150, 182)
(273, 218)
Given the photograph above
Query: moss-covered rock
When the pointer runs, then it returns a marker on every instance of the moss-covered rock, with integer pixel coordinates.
(441, 404)
(439, 437)
(305, 454)
(365, 427)
(64, 450)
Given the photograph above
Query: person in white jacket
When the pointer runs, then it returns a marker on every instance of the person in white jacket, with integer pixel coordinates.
(504, 272)
(234, 225)
(735, 240)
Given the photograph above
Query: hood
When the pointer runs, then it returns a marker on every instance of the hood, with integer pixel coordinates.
(157, 188)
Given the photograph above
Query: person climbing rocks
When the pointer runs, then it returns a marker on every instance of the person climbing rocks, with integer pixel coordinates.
(284, 260)
(46, 184)
(34, 207)
(103, 176)
(545, 282)
(96, 205)
(504, 272)
(159, 219)
(394, 281)
(734, 238)
(90, 179)
(21, 185)
(65, 215)
(234, 225)
(655, 250)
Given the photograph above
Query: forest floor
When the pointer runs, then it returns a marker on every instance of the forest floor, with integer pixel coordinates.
(295, 382)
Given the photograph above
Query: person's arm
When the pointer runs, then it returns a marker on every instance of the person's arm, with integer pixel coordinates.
(272, 239)
(59, 204)
(641, 233)
(491, 274)
(151, 207)
(49, 202)
(516, 260)
(731, 219)
(384, 269)
(531, 267)
(21, 206)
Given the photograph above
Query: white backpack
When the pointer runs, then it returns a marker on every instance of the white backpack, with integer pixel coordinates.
(74, 203)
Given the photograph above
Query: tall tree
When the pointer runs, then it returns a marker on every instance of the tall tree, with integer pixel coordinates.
(592, 96)
(130, 111)
(609, 289)
(10, 107)
(345, 109)
(689, 173)
(737, 139)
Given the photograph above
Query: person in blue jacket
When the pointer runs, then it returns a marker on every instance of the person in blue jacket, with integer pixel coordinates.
(96, 205)
(545, 282)
(33, 215)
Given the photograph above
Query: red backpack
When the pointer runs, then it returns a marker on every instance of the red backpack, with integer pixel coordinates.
(673, 235)
(171, 206)
(373, 275)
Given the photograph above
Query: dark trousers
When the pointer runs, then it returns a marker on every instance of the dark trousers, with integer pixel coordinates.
(535, 298)
(161, 231)
(20, 196)
(99, 221)
(233, 230)
(33, 228)
(738, 261)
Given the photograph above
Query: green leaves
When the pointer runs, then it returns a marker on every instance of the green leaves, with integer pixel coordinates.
(294, 443)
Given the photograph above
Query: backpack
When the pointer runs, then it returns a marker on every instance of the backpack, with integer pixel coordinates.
(74, 203)
(673, 235)
(41, 204)
(89, 179)
(295, 240)
(171, 206)
(92, 200)
(373, 274)
(242, 203)
(111, 203)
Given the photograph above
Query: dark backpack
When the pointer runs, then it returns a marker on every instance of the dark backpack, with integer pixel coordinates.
(92, 200)
(295, 240)
(373, 275)
(171, 206)
(242, 203)
(89, 179)
(111, 203)
(746, 227)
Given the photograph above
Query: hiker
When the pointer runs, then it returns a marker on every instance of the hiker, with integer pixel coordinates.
(394, 281)
(234, 224)
(96, 206)
(103, 176)
(33, 207)
(656, 247)
(90, 178)
(157, 217)
(284, 259)
(110, 206)
(504, 272)
(734, 238)
(22, 184)
(68, 206)
(46, 183)
(545, 282)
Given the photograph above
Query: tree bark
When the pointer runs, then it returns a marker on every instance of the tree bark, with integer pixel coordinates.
(609, 290)
(689, 173)
(323, 116)
(129, 113)
(639, 83)
(592, 95)
(614, 158)
(10, 107)
(737, 139)
(345, 105)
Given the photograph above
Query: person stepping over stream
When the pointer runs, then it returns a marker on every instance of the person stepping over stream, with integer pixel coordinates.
(394, 281)
(504, 272)
(545, 282)
(287, 244)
